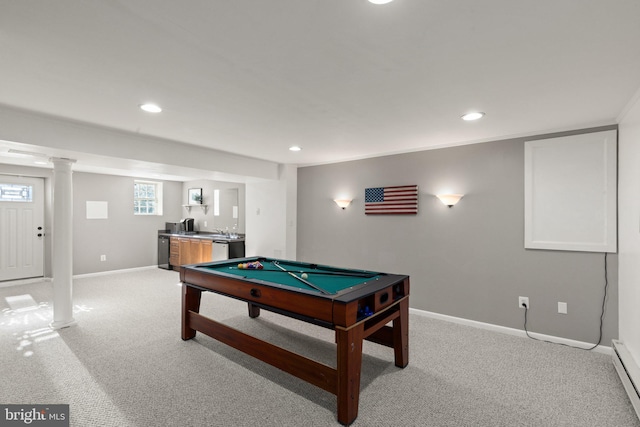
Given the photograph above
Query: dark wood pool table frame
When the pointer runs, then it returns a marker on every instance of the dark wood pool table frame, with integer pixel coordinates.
(387, 297)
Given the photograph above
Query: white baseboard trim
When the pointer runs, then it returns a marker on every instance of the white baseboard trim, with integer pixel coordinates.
(628, 371)
(109, 272)
(77, 276)
(510, 331)
(19, 282)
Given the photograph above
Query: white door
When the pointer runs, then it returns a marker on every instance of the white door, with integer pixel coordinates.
(21, 227)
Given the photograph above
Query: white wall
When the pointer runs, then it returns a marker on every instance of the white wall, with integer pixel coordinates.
(289, 174)
(271, 215)
(200, 215)
(119, 149)
(629, 228)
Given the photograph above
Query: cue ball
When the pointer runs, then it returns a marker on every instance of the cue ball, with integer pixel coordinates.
(304, 275)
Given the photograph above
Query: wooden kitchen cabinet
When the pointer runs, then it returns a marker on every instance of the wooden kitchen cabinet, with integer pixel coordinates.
(199, 251)
(195, 251)
(185, 251)
(206, 248)
(174, 252)
(189, 251)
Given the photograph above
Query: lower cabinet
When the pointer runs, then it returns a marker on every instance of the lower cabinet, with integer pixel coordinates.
(236, 249)
(194, 251)
(174, 252)
(205, 250)
(189, 251)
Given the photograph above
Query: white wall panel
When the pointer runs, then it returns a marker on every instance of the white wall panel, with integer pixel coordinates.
(570, 193)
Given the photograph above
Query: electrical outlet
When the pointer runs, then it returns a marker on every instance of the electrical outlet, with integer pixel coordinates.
(205, 224)
(523, 302)
(103, 257)
(562, 307)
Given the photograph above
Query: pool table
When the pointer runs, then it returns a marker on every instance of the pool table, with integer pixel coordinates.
(356, 304)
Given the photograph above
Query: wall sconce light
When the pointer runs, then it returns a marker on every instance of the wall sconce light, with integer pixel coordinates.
(449, 199)
(343, 203)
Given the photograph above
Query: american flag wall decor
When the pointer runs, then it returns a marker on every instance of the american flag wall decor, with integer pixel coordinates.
(391, 200)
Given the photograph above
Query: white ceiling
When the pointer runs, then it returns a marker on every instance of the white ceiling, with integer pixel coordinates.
(344, 79)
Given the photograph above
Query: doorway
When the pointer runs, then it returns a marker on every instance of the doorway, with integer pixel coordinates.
(21, 227)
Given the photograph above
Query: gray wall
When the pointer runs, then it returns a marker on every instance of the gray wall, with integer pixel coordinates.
(467, 261)
(127, 240)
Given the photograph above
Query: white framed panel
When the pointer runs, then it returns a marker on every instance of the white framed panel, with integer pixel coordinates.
(97, 210)
(570, 193)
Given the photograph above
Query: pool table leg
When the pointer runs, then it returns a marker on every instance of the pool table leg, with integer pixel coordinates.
(254, 311)
(349, 346)
(190, 302)
(401, 335)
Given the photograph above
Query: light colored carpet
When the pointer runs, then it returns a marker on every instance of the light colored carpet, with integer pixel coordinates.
(124, 364)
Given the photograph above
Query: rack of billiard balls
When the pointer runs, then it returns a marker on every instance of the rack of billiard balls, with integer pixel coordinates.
(255, 265)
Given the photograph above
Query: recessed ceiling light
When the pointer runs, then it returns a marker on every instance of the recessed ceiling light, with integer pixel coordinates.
(473, 116)
(380, 1)
(151, 108)
(294, 148)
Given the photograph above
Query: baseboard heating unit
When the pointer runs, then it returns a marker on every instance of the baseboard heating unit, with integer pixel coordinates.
(628, 371)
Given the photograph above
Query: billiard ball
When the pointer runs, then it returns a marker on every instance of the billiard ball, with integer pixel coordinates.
(304, 275)
(240, 266)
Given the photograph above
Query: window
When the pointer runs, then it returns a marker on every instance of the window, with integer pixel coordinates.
(216, 202)
(147, 198)
(16, 193)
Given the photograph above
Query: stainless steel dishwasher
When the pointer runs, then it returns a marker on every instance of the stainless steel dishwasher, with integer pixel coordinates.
(220, 251)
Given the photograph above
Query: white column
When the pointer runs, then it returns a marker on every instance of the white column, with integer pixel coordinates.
(62, 243)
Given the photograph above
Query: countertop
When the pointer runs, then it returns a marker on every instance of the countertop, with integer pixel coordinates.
(205, 235)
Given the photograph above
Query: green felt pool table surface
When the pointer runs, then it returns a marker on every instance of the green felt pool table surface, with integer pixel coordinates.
(324, 279)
